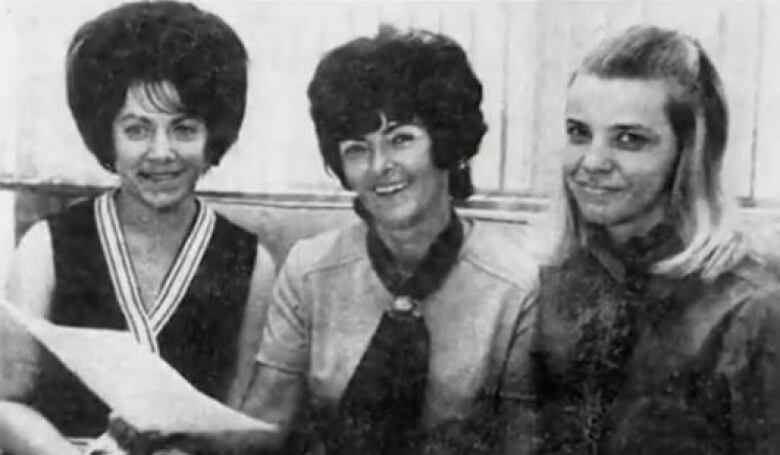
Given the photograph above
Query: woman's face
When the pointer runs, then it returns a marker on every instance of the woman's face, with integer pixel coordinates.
(621, 152)
(392, 171)
(160, 154)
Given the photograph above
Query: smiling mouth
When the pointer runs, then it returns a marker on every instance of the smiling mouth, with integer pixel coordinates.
(594, 189)
(387, 190)
(160, 176)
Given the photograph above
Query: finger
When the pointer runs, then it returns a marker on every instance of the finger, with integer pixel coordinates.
(121, 431)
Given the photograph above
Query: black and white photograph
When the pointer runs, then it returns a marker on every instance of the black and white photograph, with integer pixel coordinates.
(538, 227)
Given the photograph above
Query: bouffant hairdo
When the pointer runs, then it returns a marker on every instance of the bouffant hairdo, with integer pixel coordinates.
(148, 44)
(416, 75)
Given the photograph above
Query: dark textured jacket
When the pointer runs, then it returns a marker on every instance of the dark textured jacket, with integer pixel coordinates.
(622, 362)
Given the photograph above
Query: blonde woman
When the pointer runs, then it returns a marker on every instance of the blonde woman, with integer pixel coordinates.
(656, 332)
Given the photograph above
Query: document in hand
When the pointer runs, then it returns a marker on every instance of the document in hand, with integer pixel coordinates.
(137, 385)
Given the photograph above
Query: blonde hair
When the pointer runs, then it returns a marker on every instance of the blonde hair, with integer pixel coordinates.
(699, 118)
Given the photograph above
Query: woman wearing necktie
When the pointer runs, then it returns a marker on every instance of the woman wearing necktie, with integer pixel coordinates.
(387, 336)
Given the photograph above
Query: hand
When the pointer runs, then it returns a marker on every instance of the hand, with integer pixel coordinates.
(135, 442)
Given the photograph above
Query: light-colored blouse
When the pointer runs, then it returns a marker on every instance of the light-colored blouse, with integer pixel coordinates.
(328, 301)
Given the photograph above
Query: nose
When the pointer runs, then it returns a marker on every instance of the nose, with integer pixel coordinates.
(596, 158)
(380, 158)
(160, 147)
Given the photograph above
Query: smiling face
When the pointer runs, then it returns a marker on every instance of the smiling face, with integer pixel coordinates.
(160, 153)
(392, 171)
(621, 152)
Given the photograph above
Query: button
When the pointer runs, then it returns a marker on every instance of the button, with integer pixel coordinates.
(404, 304)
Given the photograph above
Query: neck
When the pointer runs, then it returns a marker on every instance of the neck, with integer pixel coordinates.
(637, 227)
(409, 244)
(135, 216)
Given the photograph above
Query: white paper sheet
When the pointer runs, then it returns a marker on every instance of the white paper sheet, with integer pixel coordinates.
(136, 384)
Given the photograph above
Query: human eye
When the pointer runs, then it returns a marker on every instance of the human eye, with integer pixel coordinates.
(631, 141)
(352, 149)
(577, 132)
(188, 129)
(136, 130)
(402, 138)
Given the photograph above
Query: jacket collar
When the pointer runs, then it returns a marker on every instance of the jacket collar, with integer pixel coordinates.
(630, 264)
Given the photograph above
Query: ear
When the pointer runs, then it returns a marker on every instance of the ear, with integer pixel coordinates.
(460, 186)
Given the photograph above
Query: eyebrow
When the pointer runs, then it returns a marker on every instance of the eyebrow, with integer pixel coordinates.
(630, 126)
(394, 125)
(178, 118)
(130, 116)
(187, 118)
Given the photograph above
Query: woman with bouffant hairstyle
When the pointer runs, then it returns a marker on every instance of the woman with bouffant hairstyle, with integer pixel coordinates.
(157, 90)
(388, 335)
(138, 46)
(424, 76)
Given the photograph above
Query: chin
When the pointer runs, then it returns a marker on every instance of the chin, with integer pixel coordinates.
(599, 215)
(390, 222)
(165, 203)
(397, 219)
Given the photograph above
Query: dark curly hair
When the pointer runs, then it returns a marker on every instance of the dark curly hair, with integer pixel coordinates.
(149, 43)
(417, 75)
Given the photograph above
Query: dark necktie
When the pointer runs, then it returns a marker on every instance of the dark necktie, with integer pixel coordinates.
(381, 409)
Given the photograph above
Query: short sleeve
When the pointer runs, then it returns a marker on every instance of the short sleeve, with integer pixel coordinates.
(516, 407)
(285, 340)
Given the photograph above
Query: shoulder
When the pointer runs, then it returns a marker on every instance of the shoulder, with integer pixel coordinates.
(245, 244)
(754, 272)
(79, 207)
(489, 251)
(35, 245)
(333, 248)
(31, 278)
(230, 230)
(749, 295)
(750, 280)
(76, 217)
